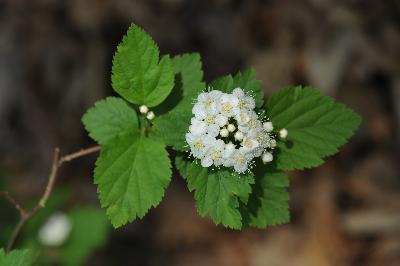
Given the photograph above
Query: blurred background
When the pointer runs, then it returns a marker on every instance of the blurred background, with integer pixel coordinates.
(55, 62)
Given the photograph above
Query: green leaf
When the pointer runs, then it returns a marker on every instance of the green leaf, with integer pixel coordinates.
(136, 73)
(16, 258)
(217, 192)
(132, 173)
(317, 126)
(108, 118)
(172, 126)
(268, 204)
(89, 232)
(247, 81)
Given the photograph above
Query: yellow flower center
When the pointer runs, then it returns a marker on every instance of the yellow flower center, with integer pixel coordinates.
(226, 107)
(198, 144)
(239, 158)
(248, 143)
(207, 103)
(216, 155)
(210, 119)
(253, 123)
(242, 104)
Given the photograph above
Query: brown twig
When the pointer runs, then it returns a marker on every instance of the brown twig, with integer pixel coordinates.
(26, 215)
(13, 201)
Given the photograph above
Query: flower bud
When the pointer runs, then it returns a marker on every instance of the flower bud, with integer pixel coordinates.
(231, 127)
(268, 126)
(143, 109)
(267, 157)
(150, 115)
(224, 132)
(283, 133)
(238, 136)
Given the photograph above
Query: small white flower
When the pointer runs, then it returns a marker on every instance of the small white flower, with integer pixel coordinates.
(268, 126)
(56, 230)
(283, 133)
(143, 109)
(198, 144)
(214, 154)
(245, 102)
(253, 123)
(249, 145)
(206, 104)
(240, 161)
(224, 132)
(231, 128)
(242, 118)
(238, 136)
(228, 105)
(197, 127)
(228, 150)
(150, 115)
(267, 157)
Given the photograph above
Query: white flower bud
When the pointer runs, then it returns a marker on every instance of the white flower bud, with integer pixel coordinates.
(150, 115)
(238, 136)
(283, 133)
(143, 109)
(268, 126)
(231, 127)
(224, 132)
(56, 230)
(267, 157)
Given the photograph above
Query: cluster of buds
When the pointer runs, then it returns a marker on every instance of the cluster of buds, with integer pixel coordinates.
(143, 109)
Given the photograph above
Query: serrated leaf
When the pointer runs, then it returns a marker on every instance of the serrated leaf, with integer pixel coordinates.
(217, 192)
(132, 173)
(16, 258)
(172, 126)
(246, 80)
(136, 73)
(317, 126)
(268, 204)
(89, 232)
(108, 118)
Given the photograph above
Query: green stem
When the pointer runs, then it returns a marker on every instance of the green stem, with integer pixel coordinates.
(143, 125)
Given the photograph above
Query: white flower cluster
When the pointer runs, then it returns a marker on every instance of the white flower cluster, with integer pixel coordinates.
(226, 131)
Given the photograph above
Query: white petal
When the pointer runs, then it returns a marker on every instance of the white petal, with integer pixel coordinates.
(221, 120)
(190, 138)
(238, 92)
(206, 162)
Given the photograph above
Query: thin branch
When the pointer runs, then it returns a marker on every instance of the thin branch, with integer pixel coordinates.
(78, 154)
(13, 201)
(26, 215)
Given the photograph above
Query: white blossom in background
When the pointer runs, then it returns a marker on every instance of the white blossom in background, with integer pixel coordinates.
(56, 230)
(226, 131)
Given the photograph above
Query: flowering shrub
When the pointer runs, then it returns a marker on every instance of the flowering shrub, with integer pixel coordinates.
(230, 146)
